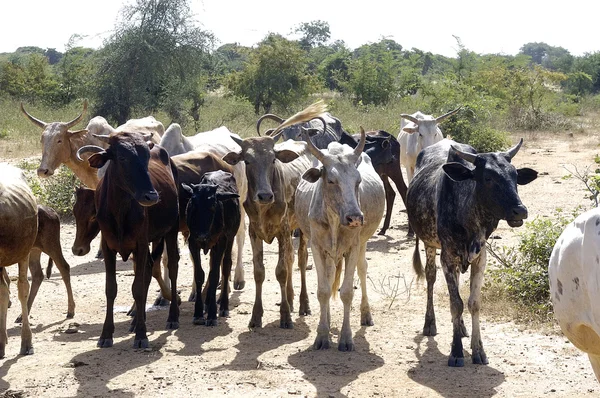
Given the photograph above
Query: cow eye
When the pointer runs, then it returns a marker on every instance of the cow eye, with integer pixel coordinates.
(245, 161)
(274, 160)
(60, 141)
(92, 218)
(329, 181)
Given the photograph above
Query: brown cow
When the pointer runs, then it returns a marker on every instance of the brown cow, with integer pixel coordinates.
(131, 213)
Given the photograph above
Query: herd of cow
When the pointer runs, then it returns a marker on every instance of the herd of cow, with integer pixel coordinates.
(145, 185)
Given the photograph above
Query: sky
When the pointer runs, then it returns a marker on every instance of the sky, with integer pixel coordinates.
(500, 27)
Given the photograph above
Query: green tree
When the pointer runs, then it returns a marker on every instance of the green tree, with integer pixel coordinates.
(372, 77)
(314, 33)
(275, 73)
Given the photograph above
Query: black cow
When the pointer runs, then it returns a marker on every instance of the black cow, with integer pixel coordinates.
(213, 218)
(455, 201)
(333, 129)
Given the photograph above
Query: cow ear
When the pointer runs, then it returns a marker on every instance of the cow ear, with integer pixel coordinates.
(227, 195)
(232, 158)
(78, 132)
(457, 171)
(163, 154)
(526, 175)
(286, 156)
(410, 130)
(187, 188)
(99, 159)
(312, 175)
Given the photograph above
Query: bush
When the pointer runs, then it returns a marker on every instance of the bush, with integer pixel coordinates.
(471, 126)
(522, 271)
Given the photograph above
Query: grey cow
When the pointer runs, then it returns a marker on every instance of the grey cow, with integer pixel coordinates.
(455, 201)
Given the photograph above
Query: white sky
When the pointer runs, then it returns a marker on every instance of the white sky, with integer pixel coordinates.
(483, 26)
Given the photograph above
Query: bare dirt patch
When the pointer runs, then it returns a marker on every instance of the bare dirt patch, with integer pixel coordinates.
(392, 358)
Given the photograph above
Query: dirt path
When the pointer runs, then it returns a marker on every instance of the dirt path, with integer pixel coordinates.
(392, 358)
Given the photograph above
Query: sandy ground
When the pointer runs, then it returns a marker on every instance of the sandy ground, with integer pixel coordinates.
(391, 358)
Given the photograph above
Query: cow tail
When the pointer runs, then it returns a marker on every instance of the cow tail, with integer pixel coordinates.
(417, 264)
(49, 268)
(336, 281)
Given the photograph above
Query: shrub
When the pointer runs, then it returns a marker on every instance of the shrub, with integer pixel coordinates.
(471, 126)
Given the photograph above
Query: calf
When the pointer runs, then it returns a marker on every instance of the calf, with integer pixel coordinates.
(136, 203)
(339, 206)
(574, 272)
(18, 230)
(455, 201)
(213, 218)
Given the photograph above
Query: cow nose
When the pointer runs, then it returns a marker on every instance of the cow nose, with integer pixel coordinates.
(354, 220)
(149, 198)
(80, 251)
(265, 197)
(44, 172)
(519, 212)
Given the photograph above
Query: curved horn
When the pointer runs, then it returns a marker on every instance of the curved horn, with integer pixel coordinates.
(469, 157)
(441, 118)
(88, 148)
(267, 116)
(35, 121)
(513, 151)
(269, 132)
(410, 117)
(103, 138)
(311, 147)
(78, 118)
(361, 143)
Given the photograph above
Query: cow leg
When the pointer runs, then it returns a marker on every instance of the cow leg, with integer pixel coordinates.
(395, 173)
(216, 257)
(474, 304)
(259, 278)
(110, 265)
(173, 265)
(366, 318)
(238, 279)
(4, 297)
(164, 282)
(351, 259)
(430, 328)
(226, 271)
(390, 195)
(23, 287)
(594, 360)
(55, 253)
(451, 265)
(139, 290)
(37, 276)
(282, 273)
(325, 276)
(199, 281)
(302, 261)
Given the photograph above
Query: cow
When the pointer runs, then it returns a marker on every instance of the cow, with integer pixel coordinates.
(218, 142)
(48, 241)
(573, 272)
(136, 203)
(420, 132)
(339, 206)
(213, 218)
(273, 172)
(18, 231)
(455, 201)
(60, 144)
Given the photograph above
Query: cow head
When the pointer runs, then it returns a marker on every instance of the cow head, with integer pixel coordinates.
(129, 154)
(496, 181)
(56, 144)
(204, 213)
(426, 127)
(261, 158)
(86, 226)
(339, 178)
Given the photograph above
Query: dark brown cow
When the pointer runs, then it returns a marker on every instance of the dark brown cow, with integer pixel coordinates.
(131, 213)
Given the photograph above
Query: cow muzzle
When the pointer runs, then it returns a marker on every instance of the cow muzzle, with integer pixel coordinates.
(516, 216)
(148, 199)
(354, 221)
(43, 173)
(80, 250)
(265, 198)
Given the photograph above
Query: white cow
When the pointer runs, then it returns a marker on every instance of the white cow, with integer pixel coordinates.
(574, 274)
(220, 143)
(339, 206)
(418, 133)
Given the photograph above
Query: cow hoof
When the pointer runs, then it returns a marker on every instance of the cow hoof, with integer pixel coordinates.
(309, 267)
(382, 232)
(304, 310)
(367, 319)
(172, 325)
(161, 301)
(211, 322)
(456, 362)
(430, 330)
(19, 319)
(348, 346)
(410, 234)
(26, 349)
(239, 285)
(287, 324)
(9, 303)
(199, 320)
(141, 343)
(192, 298)
(99, 255)
(480, 358)
(2, 351)
(255, 323)
(321, 343)
(70, 315)
(224, 313)
(105, 343)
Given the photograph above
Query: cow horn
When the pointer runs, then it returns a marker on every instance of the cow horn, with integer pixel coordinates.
(513, 151)
(35, 121)
(410, 117)
(267, 116)
(146, 136)
(78, 118)
(103, 138)
(88, 148)
(361, 144)
(237, 140)
(469, 157)
(441, 118)
(311, 147)
(269, 132)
